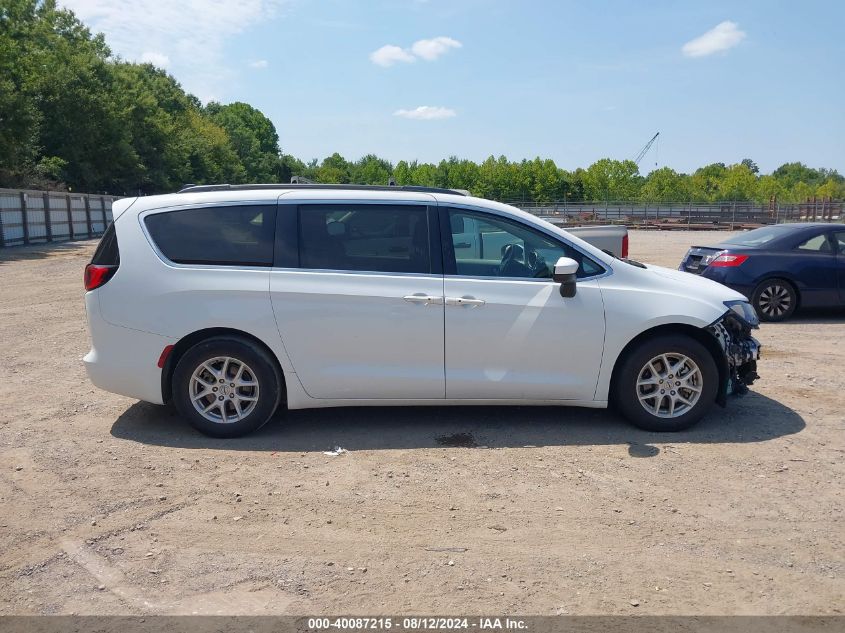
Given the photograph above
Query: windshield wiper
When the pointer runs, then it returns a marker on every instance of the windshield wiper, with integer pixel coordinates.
(633, 262)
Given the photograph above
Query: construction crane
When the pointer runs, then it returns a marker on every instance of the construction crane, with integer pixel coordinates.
(645, 149)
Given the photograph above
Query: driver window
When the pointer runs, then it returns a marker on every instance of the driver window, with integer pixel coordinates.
(490, 246)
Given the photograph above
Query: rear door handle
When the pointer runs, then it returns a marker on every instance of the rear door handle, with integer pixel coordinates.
(464, 301)
(426, 299)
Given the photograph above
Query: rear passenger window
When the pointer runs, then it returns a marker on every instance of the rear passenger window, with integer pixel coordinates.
(229, 236)
(819, 243)
(378, 238)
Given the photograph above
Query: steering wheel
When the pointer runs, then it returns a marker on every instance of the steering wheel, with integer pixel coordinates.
(520, 261)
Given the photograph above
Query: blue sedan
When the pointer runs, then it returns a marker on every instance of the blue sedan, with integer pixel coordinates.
(779, 268)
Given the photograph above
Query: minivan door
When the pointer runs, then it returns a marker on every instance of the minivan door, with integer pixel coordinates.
(509, 333)
(358, 298)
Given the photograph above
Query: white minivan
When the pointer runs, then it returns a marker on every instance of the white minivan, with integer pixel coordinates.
(231, 301)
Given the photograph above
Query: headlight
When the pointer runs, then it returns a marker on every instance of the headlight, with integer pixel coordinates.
(745, 311)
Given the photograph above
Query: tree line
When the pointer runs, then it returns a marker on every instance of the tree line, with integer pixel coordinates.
(73, 116)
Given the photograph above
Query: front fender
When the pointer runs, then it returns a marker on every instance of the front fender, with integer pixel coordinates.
(619, 337)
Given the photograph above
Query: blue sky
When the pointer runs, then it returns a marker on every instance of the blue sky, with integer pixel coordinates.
(571, 81)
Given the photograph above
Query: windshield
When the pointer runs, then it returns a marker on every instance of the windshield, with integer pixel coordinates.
(757, 237)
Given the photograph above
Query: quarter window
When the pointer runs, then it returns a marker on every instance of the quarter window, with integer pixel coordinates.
(490, 246)
(377, 238)
(107, 253)
(229, 236)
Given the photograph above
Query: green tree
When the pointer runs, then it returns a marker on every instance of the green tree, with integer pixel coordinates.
(751, 165)
(706, 182)
(82, 117)
(20, 117)
(370, 170)
(547, 181)
(801, 192)
(609, 179)
(210, 156)
(462, 174)
(769, 187)
(793, 173)
(155, 114)
(423, 174)
(333, 170)
(738, 183)
(291, 166)
(665, 185)
(72, 115)
(253, 138)
(832, 189)
(402, 173)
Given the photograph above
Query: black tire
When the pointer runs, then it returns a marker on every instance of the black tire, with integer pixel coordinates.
(775, 300)
(626, 391)
(257, 364)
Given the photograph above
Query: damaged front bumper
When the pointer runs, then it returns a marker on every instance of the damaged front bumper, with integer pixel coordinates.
(741, 353)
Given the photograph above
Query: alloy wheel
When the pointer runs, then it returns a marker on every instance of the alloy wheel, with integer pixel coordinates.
(224, 390)
(669, 385)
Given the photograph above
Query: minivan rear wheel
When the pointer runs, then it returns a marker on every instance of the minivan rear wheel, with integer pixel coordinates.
(226, 387)
(667, 383)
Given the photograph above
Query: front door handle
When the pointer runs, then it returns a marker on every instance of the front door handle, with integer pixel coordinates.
(464, 301)
(426, 299)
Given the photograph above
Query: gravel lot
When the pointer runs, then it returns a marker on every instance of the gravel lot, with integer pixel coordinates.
(108, 505)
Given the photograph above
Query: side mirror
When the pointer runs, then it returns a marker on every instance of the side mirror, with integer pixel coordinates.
(565, 271)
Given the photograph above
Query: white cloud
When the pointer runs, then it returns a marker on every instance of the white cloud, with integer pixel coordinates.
(259, 63)
(430, 50)
(191, 34)
(721, 37)
(426, 113)
(389, 54)
(156, 59)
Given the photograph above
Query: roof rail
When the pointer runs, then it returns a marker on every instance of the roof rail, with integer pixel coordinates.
(227, 187)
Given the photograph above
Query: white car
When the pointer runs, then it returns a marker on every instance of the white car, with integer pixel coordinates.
(233, 300)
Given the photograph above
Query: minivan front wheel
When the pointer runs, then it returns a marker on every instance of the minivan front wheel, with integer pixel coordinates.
(667, 384)
(226, 387)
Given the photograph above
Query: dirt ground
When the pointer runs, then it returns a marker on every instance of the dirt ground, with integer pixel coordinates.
(109, 506)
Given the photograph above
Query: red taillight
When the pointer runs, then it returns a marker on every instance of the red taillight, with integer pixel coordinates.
(625, 246)
(96, 275)
(728, 261)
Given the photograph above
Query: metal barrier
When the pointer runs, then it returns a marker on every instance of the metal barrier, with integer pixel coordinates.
(687, 213)
(34, 217)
